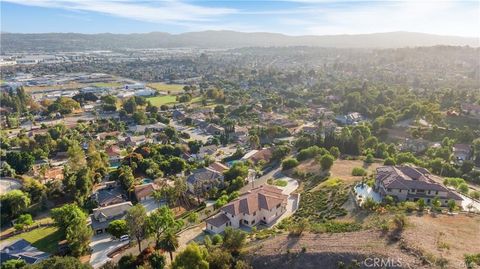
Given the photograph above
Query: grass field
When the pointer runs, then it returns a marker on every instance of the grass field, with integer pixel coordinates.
(170, 100)
(162, 100)
(44, 238)
(172, 88)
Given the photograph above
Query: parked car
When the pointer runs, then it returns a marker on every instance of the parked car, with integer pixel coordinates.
(124, 238)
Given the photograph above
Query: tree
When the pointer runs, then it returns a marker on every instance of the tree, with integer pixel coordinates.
(389, 161)
(451, 205)
(169, 243)
(14, 202)
(157, 260)
(58, 262)
(76, 157)
(20, 161)
(13, 264)
(335, 152)
(23, 221)
(125, 177)
(234, 240)
(128, 261)
(130, 106)
(117, 228)
(72, 223)
(436, 204)
(463, 188)
(160, 221)
(219, 109)
(78, 184)
(289, 163)
(193, 257)
(326, 161)
(254, 141)
(136, 219)
(219, 259)
(421, 204)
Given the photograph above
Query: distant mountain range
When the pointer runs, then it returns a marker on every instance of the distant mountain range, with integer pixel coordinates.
(13, 42)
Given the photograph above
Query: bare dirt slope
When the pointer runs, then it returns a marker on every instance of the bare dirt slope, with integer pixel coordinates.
(443, 236)
(327, 250)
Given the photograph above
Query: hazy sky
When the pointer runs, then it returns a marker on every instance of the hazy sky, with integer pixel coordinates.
(295, 17)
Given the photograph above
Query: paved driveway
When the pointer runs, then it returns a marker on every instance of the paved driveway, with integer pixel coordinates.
(150, 205)
(467, 202)
(102, 245)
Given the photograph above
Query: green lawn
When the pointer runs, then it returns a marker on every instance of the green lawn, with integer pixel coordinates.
(162, 100)
(44, 238)
(280, 183)
(162, 87)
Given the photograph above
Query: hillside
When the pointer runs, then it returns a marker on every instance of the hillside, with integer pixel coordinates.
(13, 42)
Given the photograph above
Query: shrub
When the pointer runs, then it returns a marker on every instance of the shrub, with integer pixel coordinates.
(410, 206)
(326, 161)
(463, 188)
(389, 161)
(369, 158)
(289, 163)
(475, 194)
(359, 171)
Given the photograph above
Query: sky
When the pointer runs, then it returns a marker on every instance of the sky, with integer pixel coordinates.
(291, 17)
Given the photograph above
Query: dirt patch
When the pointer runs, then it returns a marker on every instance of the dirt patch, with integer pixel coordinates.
(329, 251)
(443, 236)
(341, 169)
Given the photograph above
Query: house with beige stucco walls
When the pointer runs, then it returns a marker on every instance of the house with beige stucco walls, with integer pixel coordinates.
(263, 204)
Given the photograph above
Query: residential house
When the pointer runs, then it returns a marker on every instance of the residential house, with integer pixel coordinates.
(178, 115)
(204, 179)
(145, 192)
(205, 151)
(256, 156)
(21, 249)
(407, 183)
(135, 141)
(263, 204)
(471, 110)
(109, 193)
(352, 118)
(462, 152)
(218, 166)
(114, 154)
(414, 145)
(102, 216)
(240, 134)
(105, 135)
(51, 174)
(214, 129)
(141, 129)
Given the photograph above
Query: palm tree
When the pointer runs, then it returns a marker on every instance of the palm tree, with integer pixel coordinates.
(169, 243)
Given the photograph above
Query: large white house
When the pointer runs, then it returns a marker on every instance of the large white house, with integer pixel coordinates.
(260, 205)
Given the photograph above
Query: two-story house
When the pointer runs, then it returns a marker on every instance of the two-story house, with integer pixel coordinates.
(263, 204)
(204, 179)
(406, 183)
(102, 216)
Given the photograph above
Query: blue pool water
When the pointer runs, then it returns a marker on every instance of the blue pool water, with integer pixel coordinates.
(147, 180)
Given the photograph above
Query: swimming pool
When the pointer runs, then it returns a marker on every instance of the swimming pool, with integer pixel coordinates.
(147, 180)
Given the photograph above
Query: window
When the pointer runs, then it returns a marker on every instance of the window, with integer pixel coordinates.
(436, 192)
(428, 200)
(255, 213)
(388, 189)
(253, 221)
(399, 190)
(278, 205)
